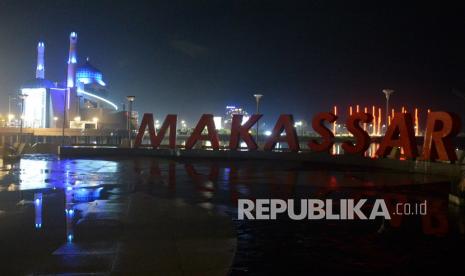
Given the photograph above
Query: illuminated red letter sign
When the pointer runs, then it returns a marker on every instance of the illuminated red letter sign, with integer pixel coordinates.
(205, 121)
(399, 134)
(285, 122)
(319, 126)
(362, 138)
(239, 131)
(155, 140)
(441, 127)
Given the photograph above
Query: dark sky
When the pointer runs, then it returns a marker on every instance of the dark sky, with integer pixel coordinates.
(192, 57)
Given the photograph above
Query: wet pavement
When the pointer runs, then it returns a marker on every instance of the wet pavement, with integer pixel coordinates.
(159, 217)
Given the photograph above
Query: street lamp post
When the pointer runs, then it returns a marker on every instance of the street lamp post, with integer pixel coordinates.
(10, 116)
(129, 125)
(387, 93)
(257, 99)
(22, 97)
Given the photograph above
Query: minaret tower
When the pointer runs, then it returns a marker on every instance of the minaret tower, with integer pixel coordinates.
(40, 71)
(72, 60)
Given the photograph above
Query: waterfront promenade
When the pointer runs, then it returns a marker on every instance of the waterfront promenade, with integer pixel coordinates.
(167, 216)
(92, 143)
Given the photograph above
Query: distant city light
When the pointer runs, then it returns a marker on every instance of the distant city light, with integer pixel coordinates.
(218, 122)
(378, 125)
(183, 124)
(268, 132)
(38, 210)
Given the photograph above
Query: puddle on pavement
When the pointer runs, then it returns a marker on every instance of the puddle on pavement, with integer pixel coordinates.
(153, 215)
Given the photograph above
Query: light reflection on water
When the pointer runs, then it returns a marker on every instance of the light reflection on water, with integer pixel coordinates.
(370, 152)
(63, 192)
(45, 172)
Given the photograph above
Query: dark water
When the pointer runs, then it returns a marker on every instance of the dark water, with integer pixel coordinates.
(42, 199)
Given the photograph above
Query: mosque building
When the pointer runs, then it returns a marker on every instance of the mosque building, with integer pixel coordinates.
(82, 101)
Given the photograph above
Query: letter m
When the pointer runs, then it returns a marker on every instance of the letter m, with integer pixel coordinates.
(155, 140)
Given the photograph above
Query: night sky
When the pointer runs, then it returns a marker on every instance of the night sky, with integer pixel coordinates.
(193, 57)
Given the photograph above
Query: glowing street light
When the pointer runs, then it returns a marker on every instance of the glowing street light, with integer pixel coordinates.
(183, 125)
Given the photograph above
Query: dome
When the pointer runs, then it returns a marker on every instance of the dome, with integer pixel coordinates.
(88, 74)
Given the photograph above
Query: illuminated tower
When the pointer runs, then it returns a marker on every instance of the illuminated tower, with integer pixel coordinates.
(40, 71)
(72, 60)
